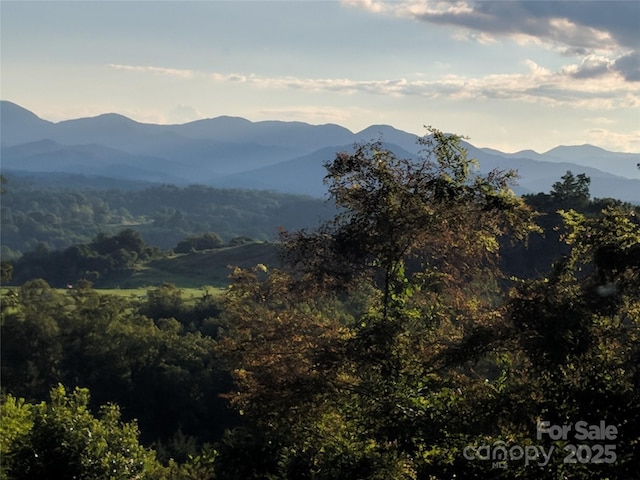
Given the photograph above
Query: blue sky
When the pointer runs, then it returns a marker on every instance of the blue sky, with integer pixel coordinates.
(509, 74)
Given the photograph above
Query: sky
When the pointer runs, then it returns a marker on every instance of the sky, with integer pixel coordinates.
(510, 75)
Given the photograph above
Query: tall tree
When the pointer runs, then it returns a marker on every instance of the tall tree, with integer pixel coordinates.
(434, 212)
(573, 189)
(414, 248)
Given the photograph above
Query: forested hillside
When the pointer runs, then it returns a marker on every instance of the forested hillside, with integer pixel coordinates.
(46, 217)
(434, 326)
(109, 236)
(125, 261)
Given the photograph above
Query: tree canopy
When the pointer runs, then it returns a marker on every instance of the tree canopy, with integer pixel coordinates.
(573, 188)
(391, 343)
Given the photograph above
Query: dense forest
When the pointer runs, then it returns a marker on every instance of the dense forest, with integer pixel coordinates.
(36, 215)
(124, 260)
(433, 326)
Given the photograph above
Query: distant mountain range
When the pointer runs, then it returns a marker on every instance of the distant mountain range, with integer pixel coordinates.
(283, 156)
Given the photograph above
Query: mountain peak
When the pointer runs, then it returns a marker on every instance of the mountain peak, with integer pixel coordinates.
(585, 149)
(208, 150)
(379, 129)
(19, 125)
(16, 112)
(527, 153)
(105, 119)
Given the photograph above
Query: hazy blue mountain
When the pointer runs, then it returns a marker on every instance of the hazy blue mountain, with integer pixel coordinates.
(622, 164)
(390, 135)
(305, 174)
(29, 149)
(117, 131)
(302, 175)
(298, 136)
(93, 159)
(19, 125)
(276, 155)
(209, 158)
(537, 175)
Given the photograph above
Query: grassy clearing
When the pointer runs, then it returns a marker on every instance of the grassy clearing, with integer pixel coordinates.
(138, 293)
(194, 273)
(198, 269)
(187, 293)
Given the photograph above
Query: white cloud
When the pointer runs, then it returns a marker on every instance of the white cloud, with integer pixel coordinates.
(615, 141)
(314, 114)
(170, 72)
(591, 85)
(371, 5)
(572, 28)
(591, 66)
(184, 114)
(601, 120)
(596, 24)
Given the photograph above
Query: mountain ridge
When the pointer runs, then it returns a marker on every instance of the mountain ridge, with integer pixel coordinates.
(229, 151)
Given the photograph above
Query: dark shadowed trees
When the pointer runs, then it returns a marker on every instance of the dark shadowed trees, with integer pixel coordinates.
(408, 262)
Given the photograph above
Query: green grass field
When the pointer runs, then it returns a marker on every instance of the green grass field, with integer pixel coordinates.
(187, 293)
(194, 273)
(198, 269)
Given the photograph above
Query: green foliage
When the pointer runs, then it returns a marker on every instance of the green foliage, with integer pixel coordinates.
(33, 214)
(6, 272)
(162, 373)
(579, 330)
(434, 358)
(103, 259)
(62, 438)
(16, 421)
(206, 241)
(163, 302)
(363, 396)
(433, 212)
(130, 269)
(31, 348)
(201, 466)
(241, 240)
(544, 248)
(65, 440)
(128, 240)
(574, 189)
(387, 344)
